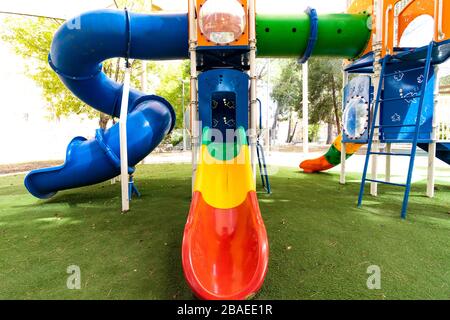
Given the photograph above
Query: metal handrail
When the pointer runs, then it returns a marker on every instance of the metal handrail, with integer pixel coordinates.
(386, 27)
(441, 34)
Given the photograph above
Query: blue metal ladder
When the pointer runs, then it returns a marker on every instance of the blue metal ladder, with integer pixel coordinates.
(426, 67)
(261, 158)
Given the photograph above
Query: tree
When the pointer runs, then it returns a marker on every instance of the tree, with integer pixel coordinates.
(445, 81)
(171, 86)
(325, 87)
(31, 39)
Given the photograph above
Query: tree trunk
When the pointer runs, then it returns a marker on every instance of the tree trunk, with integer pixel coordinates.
(330, 133)
(335, 105)
(291, 138)
(290, 126)
(273, 132)
(103, 121)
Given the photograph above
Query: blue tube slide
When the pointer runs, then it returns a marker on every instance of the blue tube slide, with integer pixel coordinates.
(78, 49)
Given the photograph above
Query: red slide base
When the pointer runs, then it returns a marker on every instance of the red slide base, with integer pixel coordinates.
(225, 251)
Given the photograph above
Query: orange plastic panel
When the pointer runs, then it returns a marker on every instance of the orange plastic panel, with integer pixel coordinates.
(242, 41)
(388, 13)
(412, 11)
(225, 251)
(445, 35)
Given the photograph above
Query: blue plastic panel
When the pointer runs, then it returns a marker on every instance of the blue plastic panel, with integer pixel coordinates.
(223, 99)
(357, 87)
(362, 65)
(402, 90)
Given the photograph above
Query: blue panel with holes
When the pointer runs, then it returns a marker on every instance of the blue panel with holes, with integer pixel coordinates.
(223, 99)
(400, 102)
(358, 95)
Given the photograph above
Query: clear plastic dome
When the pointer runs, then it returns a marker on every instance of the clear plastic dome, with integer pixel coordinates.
(222, 21)
(356, 117)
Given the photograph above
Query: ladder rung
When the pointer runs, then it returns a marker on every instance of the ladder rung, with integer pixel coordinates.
(395, 126)
(388, 183)
(391, 154)
(378, 100)
(404, 71)
(398, 99)
(406, 141)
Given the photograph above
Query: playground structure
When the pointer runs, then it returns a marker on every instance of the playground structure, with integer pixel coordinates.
(393, 100)
(225, 245)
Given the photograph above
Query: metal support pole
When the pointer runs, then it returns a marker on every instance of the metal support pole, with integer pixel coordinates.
(431, 169)
(376, 136)
(253, 83)
(194, 93)
(388, 162)
(342, 178)
(267, 135)
(123, 141)
(184, 115)
(434, 137)
(377, 50)
(305, 78)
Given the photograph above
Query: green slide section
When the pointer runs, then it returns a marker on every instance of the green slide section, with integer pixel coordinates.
(224, 151)
(340, 35)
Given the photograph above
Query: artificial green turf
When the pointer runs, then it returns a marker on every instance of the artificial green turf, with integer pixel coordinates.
(320, 243)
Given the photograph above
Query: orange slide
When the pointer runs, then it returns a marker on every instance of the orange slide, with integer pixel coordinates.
(332, 158)
(225, 248)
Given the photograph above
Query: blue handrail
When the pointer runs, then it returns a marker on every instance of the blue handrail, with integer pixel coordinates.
(313, 34)
(261, 158)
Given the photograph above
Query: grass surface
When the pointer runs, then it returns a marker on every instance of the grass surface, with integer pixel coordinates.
(320, 244)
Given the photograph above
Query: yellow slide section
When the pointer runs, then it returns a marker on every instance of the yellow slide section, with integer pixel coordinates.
(224, 184)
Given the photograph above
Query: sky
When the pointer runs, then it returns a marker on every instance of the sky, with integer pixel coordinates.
(69, 8)
(325, 6)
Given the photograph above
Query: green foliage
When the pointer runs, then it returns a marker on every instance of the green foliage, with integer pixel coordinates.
(445, 81)
(172, 77)
(31, 39)
(176, 137)
(136, 5)
(325, 78)
(287, 91)
(313, 130)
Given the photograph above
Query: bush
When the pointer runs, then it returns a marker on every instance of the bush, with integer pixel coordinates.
(313, 132)
(175, 138)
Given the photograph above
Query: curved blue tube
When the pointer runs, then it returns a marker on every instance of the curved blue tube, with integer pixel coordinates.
(88, 162)
(76, 55)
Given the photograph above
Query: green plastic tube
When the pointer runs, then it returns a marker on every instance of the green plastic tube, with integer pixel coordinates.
(286, 35)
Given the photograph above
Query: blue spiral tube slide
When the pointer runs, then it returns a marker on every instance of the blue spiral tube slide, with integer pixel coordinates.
(77, 52)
